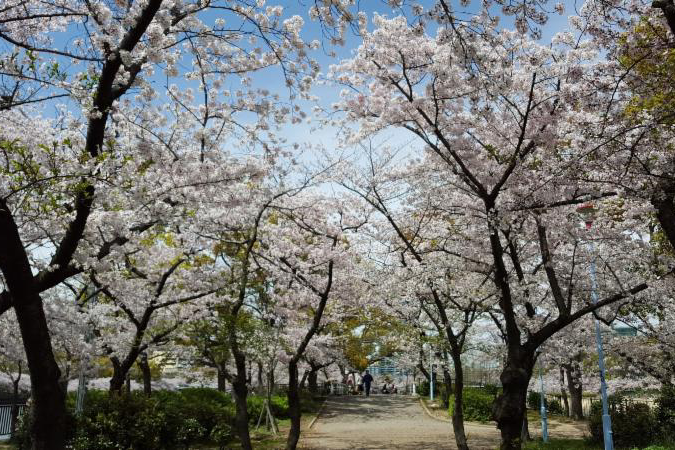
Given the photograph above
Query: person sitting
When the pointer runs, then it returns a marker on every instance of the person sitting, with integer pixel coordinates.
(394, 389)
(384, 389)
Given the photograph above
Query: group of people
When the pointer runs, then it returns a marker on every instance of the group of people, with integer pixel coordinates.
(367, 382)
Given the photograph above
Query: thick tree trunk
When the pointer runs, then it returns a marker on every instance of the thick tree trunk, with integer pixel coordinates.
(118, 378)
(147, 376)
(312, 381)
(221, 379)
(576, 391)
(49, 408)
(240, 392)
(121, 369)
(563, 392)
(509, 408)
(458, 407)
(293, 406)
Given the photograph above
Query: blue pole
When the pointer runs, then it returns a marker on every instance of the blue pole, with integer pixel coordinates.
(606, 419)
(542, 409)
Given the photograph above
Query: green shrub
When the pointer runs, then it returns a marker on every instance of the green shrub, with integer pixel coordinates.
(131, 421)
(278, 406)
(208, 407)
(552, 406)
(665, 412)
(633, 424)
(534, 400)
(221, 434)
(166, 420)
(477, 404)
(423, 388)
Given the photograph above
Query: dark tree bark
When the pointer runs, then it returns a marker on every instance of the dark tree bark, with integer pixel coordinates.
(447, 382)
(147, 375)
(668, 9)
(424, 371)
(121, 372)
(509, 407)
(15, 404)
(312, 381)
(23, 290)
(294, 412)
(293, 391)
(576, 389)
(458, 408)
(221, 379)
(49, 409)
(563, 392)
(303, 380)
(665, 209)
(240, 392)
(456, 343)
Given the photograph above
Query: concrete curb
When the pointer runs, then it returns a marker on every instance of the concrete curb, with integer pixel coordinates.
(429, 413)
(323, 406)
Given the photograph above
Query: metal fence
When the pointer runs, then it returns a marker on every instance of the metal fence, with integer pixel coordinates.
(6, 418)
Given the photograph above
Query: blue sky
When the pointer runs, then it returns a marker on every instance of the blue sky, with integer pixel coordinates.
(272, 79)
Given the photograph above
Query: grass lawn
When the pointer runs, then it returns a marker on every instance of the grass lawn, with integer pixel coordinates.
(562, 444)
(580, 444)
(533, 416)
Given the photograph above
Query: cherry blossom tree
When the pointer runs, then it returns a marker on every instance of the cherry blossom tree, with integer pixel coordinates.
(418, 238)
(112, 51)
(309, 262)
(491, 107)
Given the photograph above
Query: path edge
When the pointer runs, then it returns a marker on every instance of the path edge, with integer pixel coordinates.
(323, 406)
(428, 413)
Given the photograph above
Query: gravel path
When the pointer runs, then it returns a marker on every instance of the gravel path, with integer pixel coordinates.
(387, 422)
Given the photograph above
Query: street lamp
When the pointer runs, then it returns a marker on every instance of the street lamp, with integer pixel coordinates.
(588, 212)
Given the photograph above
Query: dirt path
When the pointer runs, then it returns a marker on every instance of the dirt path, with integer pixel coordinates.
(399, 422)
(387, 422)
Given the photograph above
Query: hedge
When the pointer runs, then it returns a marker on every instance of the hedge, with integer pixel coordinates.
(165, 420)
(477, 403)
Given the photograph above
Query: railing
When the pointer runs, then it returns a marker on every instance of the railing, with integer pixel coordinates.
(6, 418)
